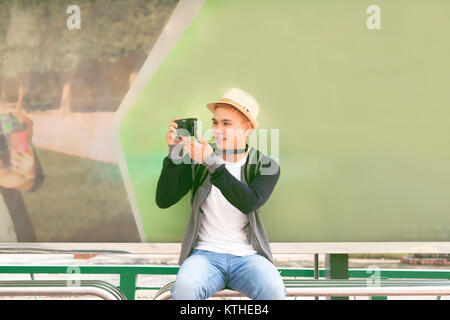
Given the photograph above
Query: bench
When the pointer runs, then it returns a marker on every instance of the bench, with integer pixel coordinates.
(292, 277)
(96, 288)
(344, 287)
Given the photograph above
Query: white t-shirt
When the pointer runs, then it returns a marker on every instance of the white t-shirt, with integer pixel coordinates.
(7, 233)
(222, 224)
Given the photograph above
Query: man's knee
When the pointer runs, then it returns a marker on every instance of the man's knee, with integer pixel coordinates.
(196, 280)
(271, 290)
(186, 289)
(268, 283)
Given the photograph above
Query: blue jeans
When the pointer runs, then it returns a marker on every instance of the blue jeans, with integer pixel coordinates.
(204, 273)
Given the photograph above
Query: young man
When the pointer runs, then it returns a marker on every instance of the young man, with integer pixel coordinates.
(20, 170)
(225, 244)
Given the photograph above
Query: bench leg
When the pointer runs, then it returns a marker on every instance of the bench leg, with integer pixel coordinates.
(336, 267)
(128, 285)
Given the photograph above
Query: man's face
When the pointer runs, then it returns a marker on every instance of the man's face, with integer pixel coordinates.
(230, 127)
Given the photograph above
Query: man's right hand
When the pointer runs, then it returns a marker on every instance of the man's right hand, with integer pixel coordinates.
(171, 135)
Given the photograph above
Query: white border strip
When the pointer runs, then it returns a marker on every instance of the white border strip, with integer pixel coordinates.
(181, 18)
(277, 247)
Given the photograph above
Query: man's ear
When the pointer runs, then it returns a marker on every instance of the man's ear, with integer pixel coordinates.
(248, 128)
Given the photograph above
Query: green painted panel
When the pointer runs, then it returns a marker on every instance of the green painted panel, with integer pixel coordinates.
(363, 115)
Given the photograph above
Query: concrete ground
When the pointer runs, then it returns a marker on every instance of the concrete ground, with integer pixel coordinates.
(281, 260)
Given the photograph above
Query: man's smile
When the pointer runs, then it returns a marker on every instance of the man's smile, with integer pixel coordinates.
(220, 138)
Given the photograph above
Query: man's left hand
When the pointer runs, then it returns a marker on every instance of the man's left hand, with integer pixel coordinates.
(22, 162)
(197, 151)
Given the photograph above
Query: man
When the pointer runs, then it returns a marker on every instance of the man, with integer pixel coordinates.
(225, 244)
(20, 171)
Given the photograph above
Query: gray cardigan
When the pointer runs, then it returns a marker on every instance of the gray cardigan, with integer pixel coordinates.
(176, 180)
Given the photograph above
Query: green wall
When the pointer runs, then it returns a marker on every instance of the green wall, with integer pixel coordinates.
(363, 115)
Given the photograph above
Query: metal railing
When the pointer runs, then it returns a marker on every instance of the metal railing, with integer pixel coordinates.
(352, 287)
(53, 288)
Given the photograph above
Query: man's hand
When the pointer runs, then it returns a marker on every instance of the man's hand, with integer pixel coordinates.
(22, 162)
(197, 151)
(172, 133)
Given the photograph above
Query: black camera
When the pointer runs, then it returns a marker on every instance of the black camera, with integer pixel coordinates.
(186, 127)
(12, 134)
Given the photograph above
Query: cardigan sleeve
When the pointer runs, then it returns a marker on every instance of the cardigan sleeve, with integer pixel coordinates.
(174, 182)
(246, 198)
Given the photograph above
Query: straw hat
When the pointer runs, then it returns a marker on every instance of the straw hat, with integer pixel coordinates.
(242, 101)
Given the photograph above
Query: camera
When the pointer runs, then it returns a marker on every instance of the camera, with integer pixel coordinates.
(12, 136)
(186, 127)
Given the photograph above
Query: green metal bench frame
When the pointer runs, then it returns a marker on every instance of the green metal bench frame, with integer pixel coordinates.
(129, 273)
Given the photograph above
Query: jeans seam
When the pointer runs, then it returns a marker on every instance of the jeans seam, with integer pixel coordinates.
(227, 274)
(217, 272)
(239, 275)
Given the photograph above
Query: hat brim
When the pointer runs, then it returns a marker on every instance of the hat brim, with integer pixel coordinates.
(212, 107)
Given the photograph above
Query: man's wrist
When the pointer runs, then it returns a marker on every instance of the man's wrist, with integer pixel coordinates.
(212, 162)
(28, 176)
(175, 152)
